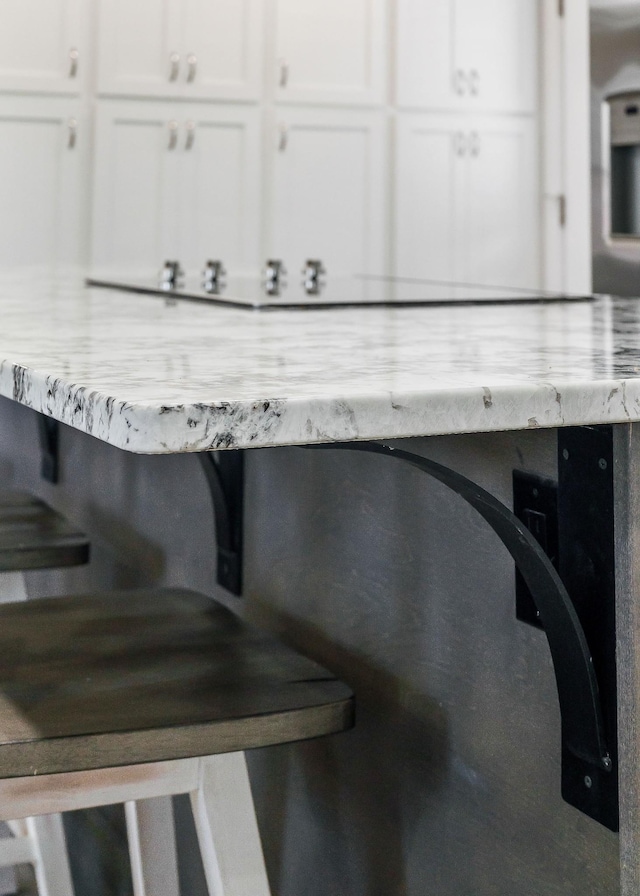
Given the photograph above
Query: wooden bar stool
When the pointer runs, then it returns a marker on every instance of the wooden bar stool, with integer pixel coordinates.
(129, 696)
(33, 536)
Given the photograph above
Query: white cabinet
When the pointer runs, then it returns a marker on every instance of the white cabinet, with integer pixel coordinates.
(220, 207)
(176, 182)
(467, 200)
(467, 54)
(43, 160)
(223, 49)
(43, 45)
(135, 187)
(499, 221)
(196, 49)
(425, 212)
(496, 53)
(425, 60)
(331, 51)
(328, 196)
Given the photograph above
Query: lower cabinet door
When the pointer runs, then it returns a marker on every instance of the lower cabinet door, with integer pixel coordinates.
(175, 181)
(135, 190)
(467, 199)
(327, 189)
(499, 222)
(44, 162)
(220, 207)
(427, 159)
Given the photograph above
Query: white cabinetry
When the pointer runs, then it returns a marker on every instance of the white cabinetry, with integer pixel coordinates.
(223, 47)
(220, 185)
(499, 204)
(467, 54)
(195, 49)
(331, 51)
(467, 199)
(426, 180)
(176, 181)
(43, 159)
(329, 197)
(43, 45)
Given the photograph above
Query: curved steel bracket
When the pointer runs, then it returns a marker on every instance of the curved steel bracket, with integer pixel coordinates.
(585, 753)
(49, 432)
(224, 471)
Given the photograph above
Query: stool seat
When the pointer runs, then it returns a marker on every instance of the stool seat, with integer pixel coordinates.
(33, 536)
(104, 680)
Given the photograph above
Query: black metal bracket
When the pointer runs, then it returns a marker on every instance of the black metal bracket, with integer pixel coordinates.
(586, 564)
(589, 760)
(225, 477)
(49, 432)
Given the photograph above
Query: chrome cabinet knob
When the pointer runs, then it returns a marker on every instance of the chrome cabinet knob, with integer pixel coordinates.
(283, 137)
(191, 135)
(173, 134)
(192, 67)
(174, 66)
(474, 82)
(474, 144)
(283, 78)
(74, 57)
(460, 82)
(73, 133)
(460, 144)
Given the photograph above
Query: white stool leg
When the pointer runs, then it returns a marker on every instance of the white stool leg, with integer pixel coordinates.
(40, 841)
(51, 865)
(152, 847)
(227, 828)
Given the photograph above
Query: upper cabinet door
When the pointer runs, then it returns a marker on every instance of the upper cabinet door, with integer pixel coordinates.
(498, 238)
(425, 76)
(43, 45)
(428, 151)
(43, 159)
(140, 48)
(331, 51)
(475, 55)
(329, 200)
(137, 169)
(197, 49)
(220, 187)
(222, 46)
(496, 53)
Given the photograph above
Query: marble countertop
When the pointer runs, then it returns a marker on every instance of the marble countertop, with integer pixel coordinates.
(152, 376)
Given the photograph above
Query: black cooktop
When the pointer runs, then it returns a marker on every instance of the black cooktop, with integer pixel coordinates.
(252, 292)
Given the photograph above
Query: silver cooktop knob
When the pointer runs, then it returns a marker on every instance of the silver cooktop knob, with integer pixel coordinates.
(171, 275)
(213, 277)
(313, 276)
(274, 278)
